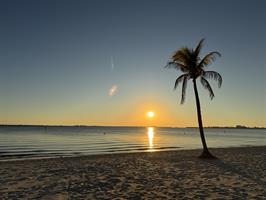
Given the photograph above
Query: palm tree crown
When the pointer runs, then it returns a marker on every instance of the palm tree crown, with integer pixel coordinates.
(189, 62)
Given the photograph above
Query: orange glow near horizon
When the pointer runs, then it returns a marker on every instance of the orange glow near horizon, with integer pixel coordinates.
(144, 112)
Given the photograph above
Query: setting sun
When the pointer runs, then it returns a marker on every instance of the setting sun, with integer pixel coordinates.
(150, 114)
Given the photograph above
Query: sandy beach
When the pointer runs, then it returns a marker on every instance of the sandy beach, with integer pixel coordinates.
(239, 173)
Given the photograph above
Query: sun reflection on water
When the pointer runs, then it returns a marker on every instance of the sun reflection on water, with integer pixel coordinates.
(150, 137)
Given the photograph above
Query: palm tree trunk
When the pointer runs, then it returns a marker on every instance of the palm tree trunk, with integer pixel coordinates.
(205, 153)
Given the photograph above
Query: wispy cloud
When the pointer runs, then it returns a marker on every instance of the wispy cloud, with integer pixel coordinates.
(113, 90)
(112, 64)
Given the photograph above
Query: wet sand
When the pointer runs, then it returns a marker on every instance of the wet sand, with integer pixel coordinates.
(239, 173)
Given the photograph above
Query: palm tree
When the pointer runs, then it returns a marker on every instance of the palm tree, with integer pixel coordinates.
(193, 67)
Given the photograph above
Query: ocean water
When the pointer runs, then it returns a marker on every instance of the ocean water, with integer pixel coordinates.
(24, 142)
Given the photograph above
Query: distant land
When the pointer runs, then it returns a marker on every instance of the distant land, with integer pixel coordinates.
(232, 127)
(91, 126)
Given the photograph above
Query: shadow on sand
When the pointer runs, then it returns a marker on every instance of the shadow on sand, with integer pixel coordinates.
(237, 169)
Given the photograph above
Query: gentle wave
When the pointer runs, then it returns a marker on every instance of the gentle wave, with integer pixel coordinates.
(25, 143)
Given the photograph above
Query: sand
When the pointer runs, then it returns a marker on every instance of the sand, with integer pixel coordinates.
(240, 173)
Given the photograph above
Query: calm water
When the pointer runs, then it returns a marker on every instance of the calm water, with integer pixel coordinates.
(29, 142)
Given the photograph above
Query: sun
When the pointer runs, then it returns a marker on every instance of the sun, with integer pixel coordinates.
(150, 114)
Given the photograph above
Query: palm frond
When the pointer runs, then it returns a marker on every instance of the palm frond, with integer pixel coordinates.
(183, 56)
(179, 55)
(188, 61)
(199, 47)
(179, 80)
(207, 86)
(184, 87)
(177, 66)
(170, 64)
(213, 75)
(188, 51)
(210, 57)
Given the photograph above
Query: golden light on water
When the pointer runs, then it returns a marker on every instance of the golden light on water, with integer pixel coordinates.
(150, 137)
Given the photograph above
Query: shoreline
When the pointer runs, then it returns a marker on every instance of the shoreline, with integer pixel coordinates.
(95, 156)
(239, 173)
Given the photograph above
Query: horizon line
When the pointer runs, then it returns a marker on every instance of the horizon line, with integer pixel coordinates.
(44, 125)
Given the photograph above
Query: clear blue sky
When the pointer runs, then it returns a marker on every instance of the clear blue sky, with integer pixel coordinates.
(59, 59)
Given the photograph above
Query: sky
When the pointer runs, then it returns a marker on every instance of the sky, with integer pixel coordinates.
(100, 62)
